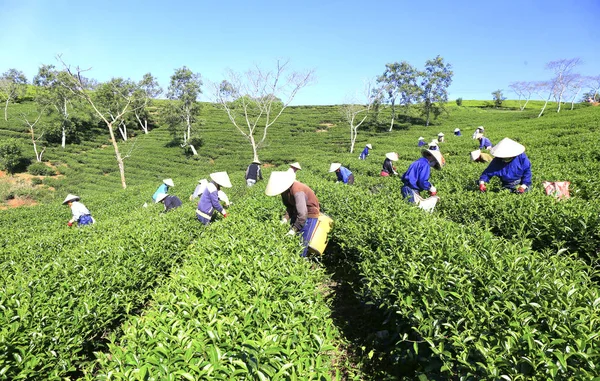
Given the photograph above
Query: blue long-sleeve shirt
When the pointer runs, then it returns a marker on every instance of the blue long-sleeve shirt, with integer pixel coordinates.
(343, 174)
(417, 175)
(163, 188)
(422, 143)
(364, 154)
(457, 133)
(209, 201)
(485, 143)
(518, 169)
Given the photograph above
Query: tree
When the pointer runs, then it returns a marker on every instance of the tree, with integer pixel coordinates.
(541, 88)
(10, 155)
(53, 95)
(498, 98)
(594, 83)
(398, 82)
(563, 75)
(574, 85)
(255, 99)
(185, 87)
(148, 89)
(435, 80)
(523, 90)
(113, 96)
(13, 84)
(35, 140)
(356, 110)
(76, 84)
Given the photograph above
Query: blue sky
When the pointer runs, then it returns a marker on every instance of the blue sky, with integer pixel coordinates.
(489, 43)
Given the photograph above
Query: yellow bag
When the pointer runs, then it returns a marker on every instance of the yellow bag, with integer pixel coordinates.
(318, 240)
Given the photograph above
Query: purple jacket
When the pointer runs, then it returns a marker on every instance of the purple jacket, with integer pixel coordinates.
(209, 201)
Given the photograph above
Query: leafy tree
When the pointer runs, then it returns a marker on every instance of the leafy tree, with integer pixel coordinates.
(435, 80)
(112, 97)
(256, 98)
(498, 98)
(10, 154)
(398, 83)
(459, 101)
(523, 90)
(148, 89)
(13, 84)
(184, 89)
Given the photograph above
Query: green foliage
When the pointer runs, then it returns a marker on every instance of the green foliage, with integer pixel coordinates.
(459, 101)
(498, 98)
(40, 169)
(10, 154)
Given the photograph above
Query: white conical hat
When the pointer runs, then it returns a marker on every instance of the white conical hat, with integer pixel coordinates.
(433, 143)
(475, 154)
(369, 146)
(295, 165)
(221, 178)
(479, 135)
(507, 148)
(456, 129)
(70, 197)
(393, 156)
(279, 182)
(436, 155)
(169, 182)
(441, 134)
(256, 161)
(203, 181)
(421, 138)
(161, 197)
(334, 167)
(481, 128)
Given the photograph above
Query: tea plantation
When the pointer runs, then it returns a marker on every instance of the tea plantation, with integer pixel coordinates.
(490, 286)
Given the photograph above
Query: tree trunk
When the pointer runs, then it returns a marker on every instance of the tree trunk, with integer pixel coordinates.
(189, 126)
(64, 130)
(254, 148)
(6, 109)
(194, 150)
(391, 124)
(145, 126)
(123, 131)
(543, 108)
(573, 100)
(525, 105)
(117, 155)
(353, 134)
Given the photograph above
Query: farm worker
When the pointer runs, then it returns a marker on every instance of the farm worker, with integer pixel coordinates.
(81, 214)
(478, 130)
(433, 146)
(170, 202)
(457, 132)
(209, 200)
(484, 143)
(421, 141)
(481, 157)
(510, 164)
(301, 204)
(199, 189)
(163, 188)
(365, 152)
(388, 168)
(253, 173)
(343, 174)
(295, 167)
(416, 177)
(441, 137)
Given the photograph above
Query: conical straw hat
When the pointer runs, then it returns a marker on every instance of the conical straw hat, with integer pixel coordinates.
(295, 165)
(169, 182)
(279, 181)
(421, 138)
(475, 154)
(334, 167)
(456, 129)
(369, 146)
(507, 148)
(393, 156)
(433, 143)
(203, 181)
(441, 134)
(221, 178)
(436, 155)
(256, 161)
(161, 197)
(70, 197)
(481, 128)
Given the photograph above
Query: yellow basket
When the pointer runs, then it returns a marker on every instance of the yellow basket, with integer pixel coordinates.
(318, 240)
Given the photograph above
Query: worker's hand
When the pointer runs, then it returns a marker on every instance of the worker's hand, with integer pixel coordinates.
(224, 214)
(291, 232)
(432, 191)
(482, 187)
(284, 220)
(521, 188)
(69, 223)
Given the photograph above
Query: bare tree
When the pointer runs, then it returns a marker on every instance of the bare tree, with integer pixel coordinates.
(542, 88)
(148, 89)
(356, 110)
(34, 139)
(562, 73)
(75, 83)
(524, 90)
(255, 99)
(594, 83)
(13, 84)
(574, 85)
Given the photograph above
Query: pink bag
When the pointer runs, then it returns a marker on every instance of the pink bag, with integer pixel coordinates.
(558, 189)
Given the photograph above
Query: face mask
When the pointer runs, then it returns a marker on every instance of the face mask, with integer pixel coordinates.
(508, 159)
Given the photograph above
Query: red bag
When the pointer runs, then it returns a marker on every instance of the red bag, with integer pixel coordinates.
(384, 174)
(558, 189)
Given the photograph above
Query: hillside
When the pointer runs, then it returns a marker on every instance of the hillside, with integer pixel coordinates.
(490, 286)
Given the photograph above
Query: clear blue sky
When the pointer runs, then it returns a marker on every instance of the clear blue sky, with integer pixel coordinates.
(489, 43)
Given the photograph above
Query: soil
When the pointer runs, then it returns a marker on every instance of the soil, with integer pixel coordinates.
(17, 202)
(327, 124)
